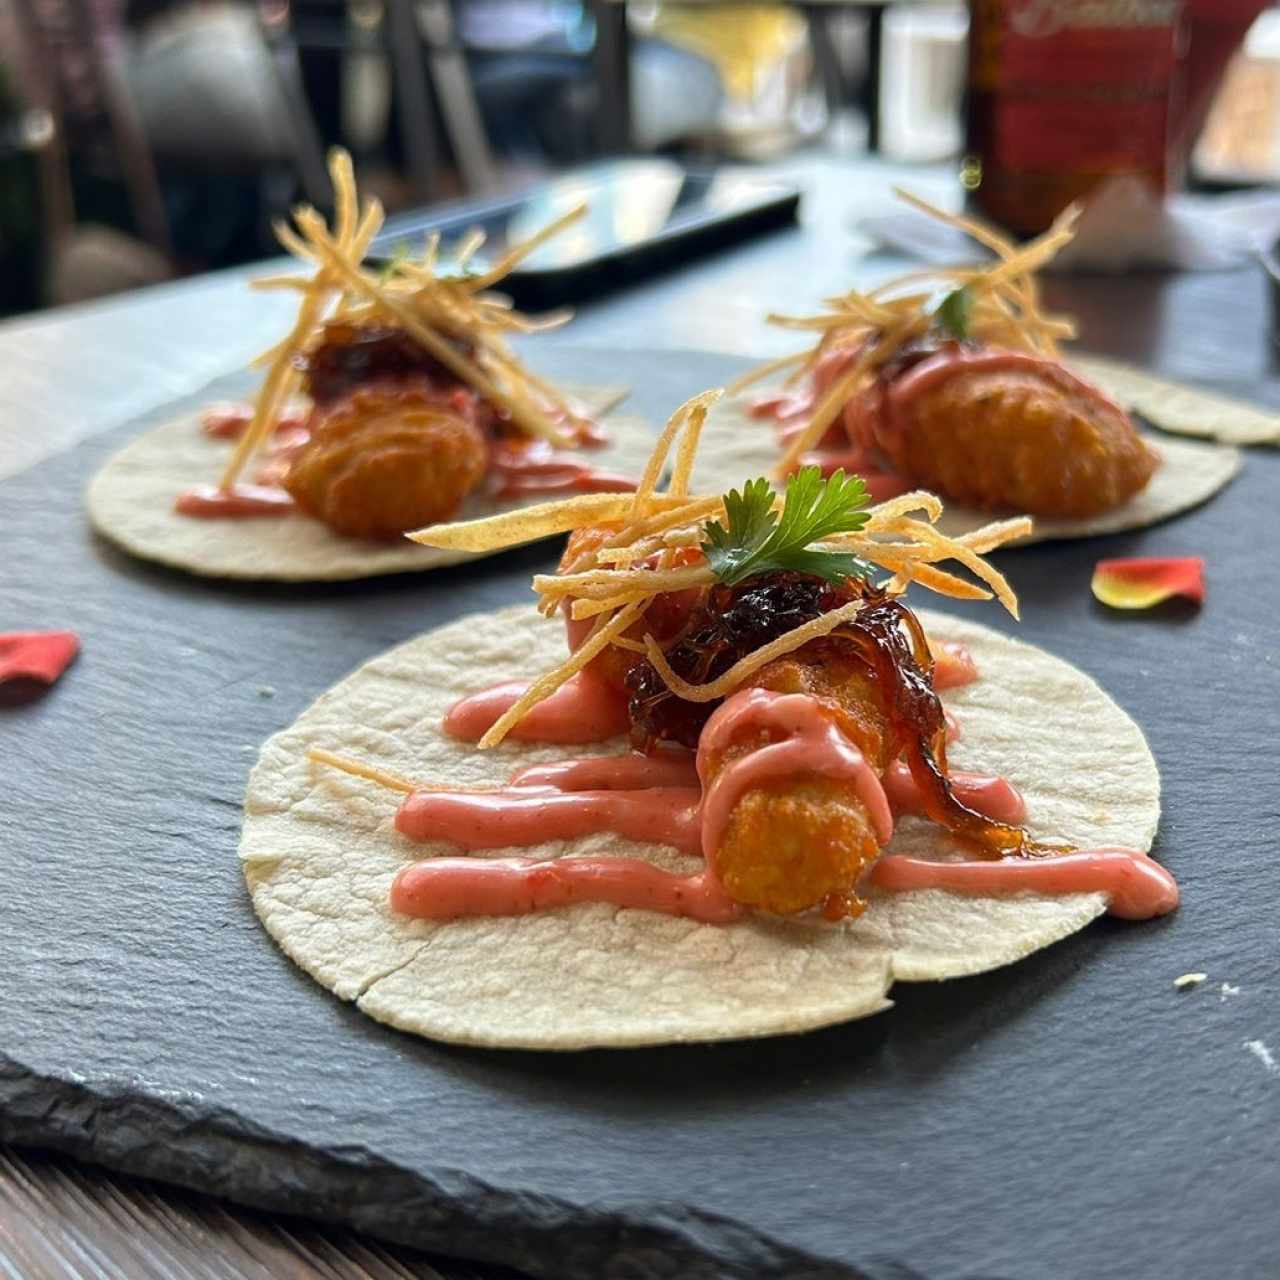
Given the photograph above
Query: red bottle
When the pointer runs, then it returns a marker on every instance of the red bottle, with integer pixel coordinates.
(1064, 94)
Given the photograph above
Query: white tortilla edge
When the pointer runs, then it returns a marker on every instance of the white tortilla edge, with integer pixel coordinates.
(1179, 408)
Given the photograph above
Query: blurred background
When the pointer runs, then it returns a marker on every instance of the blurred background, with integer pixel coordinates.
(143, 140)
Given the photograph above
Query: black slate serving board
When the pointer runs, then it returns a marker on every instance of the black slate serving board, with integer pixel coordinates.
(1073, 1115)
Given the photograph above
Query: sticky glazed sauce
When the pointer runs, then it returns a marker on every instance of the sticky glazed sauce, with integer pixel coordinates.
(661, 798)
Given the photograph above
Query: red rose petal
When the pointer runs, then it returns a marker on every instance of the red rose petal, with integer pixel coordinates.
(36, 655)
(1139, 582)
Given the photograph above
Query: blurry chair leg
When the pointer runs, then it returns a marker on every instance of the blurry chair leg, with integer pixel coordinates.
(611, 59)
(35, 61)
(308, 153)
(135, 152)
(825, 59)
(417, 120)
(456, 95)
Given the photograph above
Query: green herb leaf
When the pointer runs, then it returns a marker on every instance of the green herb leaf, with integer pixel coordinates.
(954, 310)
(399, 253)
(757, 540)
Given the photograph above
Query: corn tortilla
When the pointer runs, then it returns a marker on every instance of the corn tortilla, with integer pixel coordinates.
(1176, 407)
(319, 853)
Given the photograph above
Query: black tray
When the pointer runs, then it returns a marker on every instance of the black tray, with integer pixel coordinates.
(1069, 1116)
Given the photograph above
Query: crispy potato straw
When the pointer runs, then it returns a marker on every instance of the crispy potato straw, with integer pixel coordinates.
(614, 579)
(436, 311)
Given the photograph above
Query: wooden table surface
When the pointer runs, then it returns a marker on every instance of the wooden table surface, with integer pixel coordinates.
(70, 374)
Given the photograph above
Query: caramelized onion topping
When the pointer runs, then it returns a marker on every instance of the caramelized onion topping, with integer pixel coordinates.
(885, 637)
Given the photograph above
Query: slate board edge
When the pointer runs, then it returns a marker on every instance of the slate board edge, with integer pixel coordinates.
(213, 1151)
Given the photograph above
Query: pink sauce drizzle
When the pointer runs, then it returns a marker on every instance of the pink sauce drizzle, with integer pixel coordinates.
(514, 816)
(538, 468)
(447, 888)
(515, 470)
(986, 793)
(263, 497)
(1137, 886)
(953, 665)
(881, 484)
(886, 406)
(658, 799)
(811, 743)
(583, 709)
(931, 373)
(208, 501)
(227, 419)
(633, 772)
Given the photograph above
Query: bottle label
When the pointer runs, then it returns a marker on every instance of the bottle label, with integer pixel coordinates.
(1078, 86)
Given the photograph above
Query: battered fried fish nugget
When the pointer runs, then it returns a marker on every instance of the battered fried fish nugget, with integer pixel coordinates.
(382, 461)
(1029, 436)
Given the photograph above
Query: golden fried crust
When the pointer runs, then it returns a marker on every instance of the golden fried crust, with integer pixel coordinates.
(379, 463)
(800, 844)
(1015, 439)
(806, 842)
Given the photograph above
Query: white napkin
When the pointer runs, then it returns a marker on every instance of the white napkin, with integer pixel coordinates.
(1125, 226)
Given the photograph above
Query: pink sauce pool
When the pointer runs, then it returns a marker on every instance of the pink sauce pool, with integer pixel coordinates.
(1137, 886)
(208, 501)
(583, 709)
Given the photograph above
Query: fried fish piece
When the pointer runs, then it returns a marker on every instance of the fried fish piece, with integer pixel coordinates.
(806, 841)
(382, 460)
(1030, 436)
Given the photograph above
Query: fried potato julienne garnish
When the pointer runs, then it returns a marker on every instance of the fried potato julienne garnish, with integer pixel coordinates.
(452, 317)
(614, 579)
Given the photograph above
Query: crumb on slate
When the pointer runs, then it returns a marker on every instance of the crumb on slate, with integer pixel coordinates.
(1264, 1055)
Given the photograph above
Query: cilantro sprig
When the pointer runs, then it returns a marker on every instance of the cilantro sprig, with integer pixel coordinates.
(954, 311)
(395, 259)
(758, 540)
